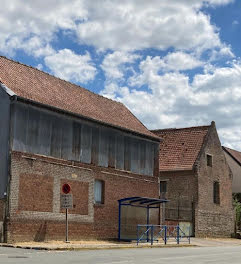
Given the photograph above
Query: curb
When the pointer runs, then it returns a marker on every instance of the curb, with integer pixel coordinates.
(94, 248)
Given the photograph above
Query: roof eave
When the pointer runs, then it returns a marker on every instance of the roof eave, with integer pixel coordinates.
(53, 108)
(177, 169)
(230, 154)
(7, 90)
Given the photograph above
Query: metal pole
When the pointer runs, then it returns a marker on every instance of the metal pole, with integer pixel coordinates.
(147, 220)
(66, 226)
(152, 234)
(165, 234)
(119, 224)
(178, 234)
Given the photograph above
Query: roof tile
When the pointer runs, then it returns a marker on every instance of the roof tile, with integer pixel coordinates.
(41, 87)
(180, 147)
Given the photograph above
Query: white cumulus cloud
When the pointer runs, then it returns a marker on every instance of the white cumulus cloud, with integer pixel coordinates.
(70, 66)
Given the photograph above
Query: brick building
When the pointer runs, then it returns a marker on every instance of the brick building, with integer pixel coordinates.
(195, 176)
(53, 132)
(233, 158)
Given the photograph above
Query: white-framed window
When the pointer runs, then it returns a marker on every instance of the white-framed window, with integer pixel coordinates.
(99, 192)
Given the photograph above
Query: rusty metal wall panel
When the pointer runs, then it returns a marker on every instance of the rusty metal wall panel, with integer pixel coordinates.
(95, 145)
(86, 141)
(103, 149)
(76, 141)
(119, 151)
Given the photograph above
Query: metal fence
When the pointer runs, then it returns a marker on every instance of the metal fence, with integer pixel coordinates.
(161, 233)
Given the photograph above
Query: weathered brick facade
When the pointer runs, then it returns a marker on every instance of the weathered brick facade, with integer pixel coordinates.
(196, 184)
(34, 201)
(213, 219)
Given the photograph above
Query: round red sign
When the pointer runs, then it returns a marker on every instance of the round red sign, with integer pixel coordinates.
(66, 188)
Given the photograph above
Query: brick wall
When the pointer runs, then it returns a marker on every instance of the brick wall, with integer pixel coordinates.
(35, 189)
(214, 219)
(182, 194)
(209, 219)
(2, 207)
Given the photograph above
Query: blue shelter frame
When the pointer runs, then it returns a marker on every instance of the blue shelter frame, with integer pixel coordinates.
(144, 202)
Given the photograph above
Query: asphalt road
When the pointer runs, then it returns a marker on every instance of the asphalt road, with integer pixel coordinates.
(194, 255)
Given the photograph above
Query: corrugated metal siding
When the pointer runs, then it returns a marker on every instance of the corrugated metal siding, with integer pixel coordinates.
(52, 134)
(4, 139)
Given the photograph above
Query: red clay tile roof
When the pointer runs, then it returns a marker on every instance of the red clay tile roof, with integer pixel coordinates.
(180, 147)
(236, 155)
(38, 86)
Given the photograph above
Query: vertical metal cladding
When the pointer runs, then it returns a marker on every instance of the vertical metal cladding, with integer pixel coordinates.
(48, 133)
(4, 139)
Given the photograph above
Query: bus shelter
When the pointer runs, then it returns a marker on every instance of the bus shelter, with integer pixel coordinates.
(135, 211)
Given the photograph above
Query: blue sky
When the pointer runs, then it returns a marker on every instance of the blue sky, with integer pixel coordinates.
(173, 63)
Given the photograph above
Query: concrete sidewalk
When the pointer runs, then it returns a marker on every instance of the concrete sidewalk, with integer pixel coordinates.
(94, 245)
(84, 245)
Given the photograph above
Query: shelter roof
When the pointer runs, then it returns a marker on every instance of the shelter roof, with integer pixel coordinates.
(142, 201)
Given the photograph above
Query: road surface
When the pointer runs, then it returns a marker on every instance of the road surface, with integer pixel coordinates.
(192, 255)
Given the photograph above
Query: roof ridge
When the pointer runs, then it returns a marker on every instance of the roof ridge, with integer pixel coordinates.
(231, 149)
(182, 128)
(78, 86)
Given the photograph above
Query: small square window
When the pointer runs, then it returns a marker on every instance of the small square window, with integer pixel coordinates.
(216, 192)
(209, 160)
(99, 192)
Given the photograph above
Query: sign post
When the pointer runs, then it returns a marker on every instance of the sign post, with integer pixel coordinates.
(66, 201)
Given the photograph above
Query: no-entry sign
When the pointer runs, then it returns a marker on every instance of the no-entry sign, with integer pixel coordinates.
(66, 188)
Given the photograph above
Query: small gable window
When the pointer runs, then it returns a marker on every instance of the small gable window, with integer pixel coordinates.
(216, 192)
(209, 160)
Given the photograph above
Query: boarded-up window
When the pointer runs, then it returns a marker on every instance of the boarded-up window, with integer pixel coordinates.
(216, 192)
(99, 192)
